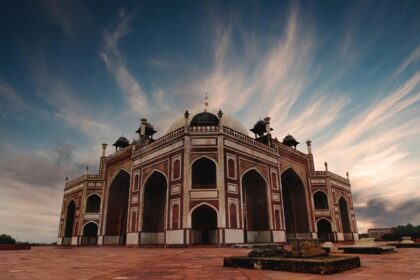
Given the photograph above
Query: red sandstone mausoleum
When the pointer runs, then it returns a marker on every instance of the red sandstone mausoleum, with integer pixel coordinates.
(206, 182)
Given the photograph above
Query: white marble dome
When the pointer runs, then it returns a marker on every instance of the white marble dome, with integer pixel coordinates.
(227, 121)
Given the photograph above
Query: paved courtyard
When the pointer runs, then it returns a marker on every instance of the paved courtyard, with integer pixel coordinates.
(185, 263)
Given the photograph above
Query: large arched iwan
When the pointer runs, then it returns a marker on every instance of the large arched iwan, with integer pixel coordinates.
(256, 220)
(154, 203)
(71, 209)
(294, 203)
(345, 220)
(116, 221)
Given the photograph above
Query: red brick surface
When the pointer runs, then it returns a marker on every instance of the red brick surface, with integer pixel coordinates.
(190, 263)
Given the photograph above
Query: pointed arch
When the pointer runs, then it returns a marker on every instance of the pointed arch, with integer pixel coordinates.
(90, 233)
(93, 203)
(204, 224)
(324, 229)
(344, 216)
(70, 215)
(154, 201)
(255, 202)
(204, 203)
(204, 156)
(320, 198)
(152, 173)
(121, 170)
(117, 208)
(87, 222)
(203, 173)
(295, 204)
(256, 170)
(289, 169)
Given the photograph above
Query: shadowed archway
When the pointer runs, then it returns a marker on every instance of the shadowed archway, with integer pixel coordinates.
(204, 225)
(154, 208)
(116, 219)
(320, 200)
(345, 220)
(294, 203)
(90, 234)
(324, 230)
(203, 172)
(93, 204)
(69, 223)
(256, 215)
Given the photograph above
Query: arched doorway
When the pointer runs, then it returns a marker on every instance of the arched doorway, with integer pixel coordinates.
(154, 208)
(116, 219)
(320, 200)
(295, 207)
(93, 204)
(90, 234)
(203, 174)
(256, 217)
(204, 225)
(345, 220)
(68, 229)
(324, 230)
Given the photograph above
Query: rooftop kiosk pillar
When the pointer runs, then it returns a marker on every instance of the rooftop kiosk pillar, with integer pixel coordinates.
(310, 156)
(186, 118)
(309, 145)
(268, 129)
(221, 219)
(186, 184)
(104, 149)
(142, 128)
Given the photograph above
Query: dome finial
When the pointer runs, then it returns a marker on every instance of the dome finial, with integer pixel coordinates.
(206, 102)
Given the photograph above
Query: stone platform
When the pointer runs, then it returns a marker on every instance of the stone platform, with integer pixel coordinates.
(405, 245)
(107, 263)
(368, 246)
(319, 265)
(368, 250)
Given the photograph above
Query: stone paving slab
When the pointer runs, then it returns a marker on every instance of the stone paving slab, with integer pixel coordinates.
(185, 263)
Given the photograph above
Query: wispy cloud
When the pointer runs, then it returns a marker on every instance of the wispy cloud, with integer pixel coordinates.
(76, 114)
(136, 98)
(262, 81)
(376, 147)
(31, 185)
(71, 17)
(411, 59)
(14, 106)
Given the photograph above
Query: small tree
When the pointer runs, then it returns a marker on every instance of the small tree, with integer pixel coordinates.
(7, 239)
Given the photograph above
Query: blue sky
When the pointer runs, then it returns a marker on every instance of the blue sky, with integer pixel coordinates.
(76, 74)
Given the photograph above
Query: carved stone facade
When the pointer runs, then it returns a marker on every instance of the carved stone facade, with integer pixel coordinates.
(206, 181)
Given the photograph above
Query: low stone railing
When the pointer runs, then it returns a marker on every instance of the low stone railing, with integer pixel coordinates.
(74, 182)
(166, 138)
(337, 177)
(247, 139)
(281, 146)
(204, 128)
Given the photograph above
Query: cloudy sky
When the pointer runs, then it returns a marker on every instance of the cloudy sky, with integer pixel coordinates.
(76, 74)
